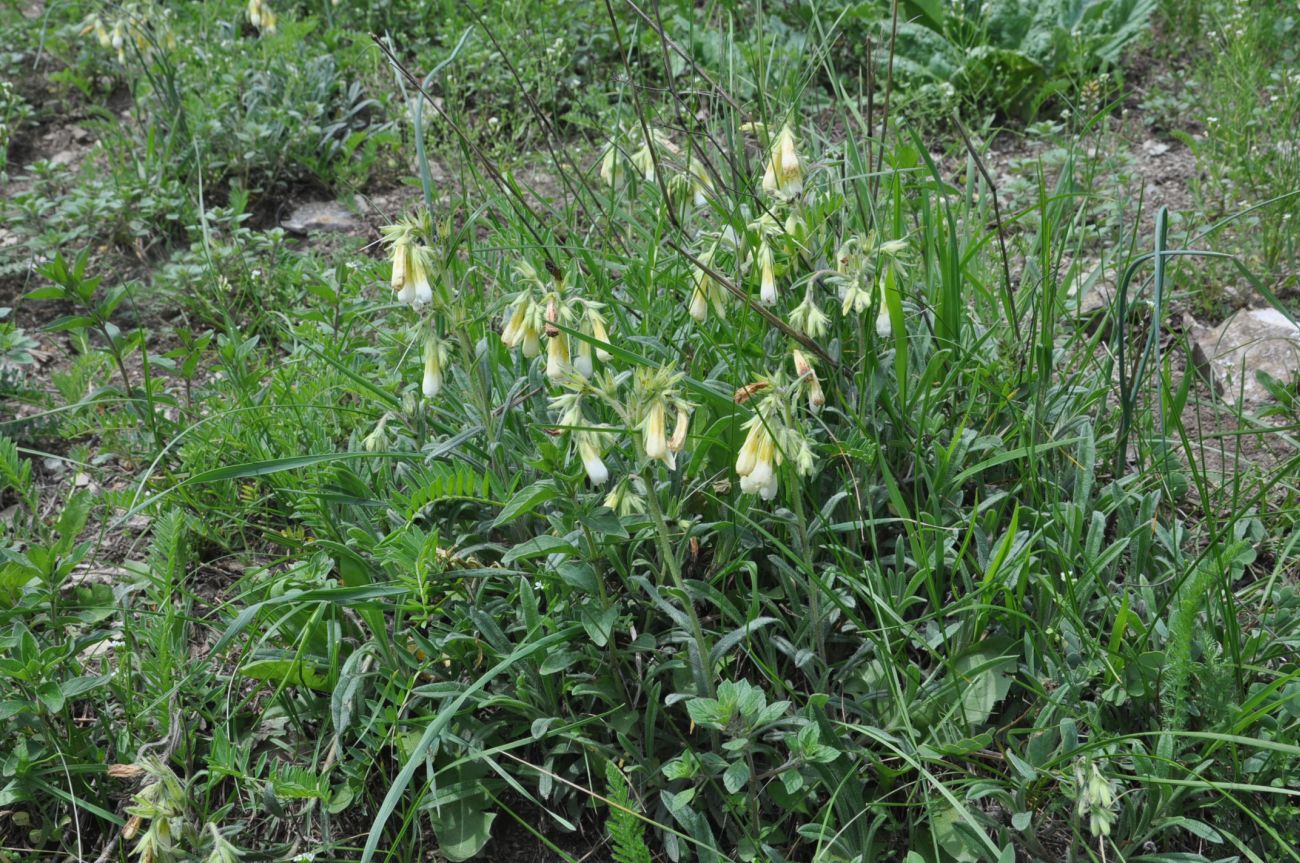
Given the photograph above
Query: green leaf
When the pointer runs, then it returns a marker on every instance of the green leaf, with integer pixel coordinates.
(559, 660)
(463, 827)
(946, 824)
(538, 547)
(51, 696)
(526, 500)
(286, 671)
(77, 686)
(579, 575)
(736, 776)
(49, 292)
(985, 679)
(928, 12)
(599, 623)
(435, 728)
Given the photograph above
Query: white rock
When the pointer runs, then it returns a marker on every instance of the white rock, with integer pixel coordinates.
(1250, 341)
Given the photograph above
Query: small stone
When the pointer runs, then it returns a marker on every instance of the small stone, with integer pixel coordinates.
(318, 216)
(64, 157)
(1251, 341)
(1090, 291)
(1152, 147)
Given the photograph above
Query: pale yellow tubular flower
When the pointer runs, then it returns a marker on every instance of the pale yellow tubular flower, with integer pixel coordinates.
(654, 440)
(532, 342)
(589, 452)
(767, 279)
(403, 268)
(884, 326)
(803, 368)
(748, 455)
(784, 174)
(593, 325)
(643, 160)
(704, 292)
(611, 166)
(600, 334)
(419, 276)
(513, 331)
(855, 298)
(582, 359)
(434, 357)
(678, 440)
(762, 461)
(699, 306)
(557, 356)
(101, 32)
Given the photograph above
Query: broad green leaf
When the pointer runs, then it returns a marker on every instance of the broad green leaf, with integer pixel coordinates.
(985, 681)
(282, 671)
(526, 500)
(538, 547)
(736, 776)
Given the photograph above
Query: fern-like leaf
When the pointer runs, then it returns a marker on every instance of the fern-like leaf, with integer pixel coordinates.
(626, 830)
(441, 481)
(15, 471)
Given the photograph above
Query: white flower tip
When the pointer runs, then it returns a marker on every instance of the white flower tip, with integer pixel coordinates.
(597, 472)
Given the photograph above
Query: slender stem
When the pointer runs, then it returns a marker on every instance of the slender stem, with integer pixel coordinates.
(703, 674)
(815, 589)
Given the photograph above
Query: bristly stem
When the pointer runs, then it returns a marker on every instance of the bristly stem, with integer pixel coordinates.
(703, 669)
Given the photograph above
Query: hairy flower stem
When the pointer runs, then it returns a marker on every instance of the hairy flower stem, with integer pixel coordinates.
(815, 588)
(615, 663)
(703, 674)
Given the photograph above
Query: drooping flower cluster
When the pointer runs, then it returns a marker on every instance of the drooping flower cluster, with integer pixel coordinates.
(144, 26)
(706, 293)
(687, 179)
(866, 270)
(642, 401)
(784, 174)
(538, 308)
(774, 433)
(650, 150)
(588, 439)
(412, 258)
(419, 281)
(261, 16)
(655, 394)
